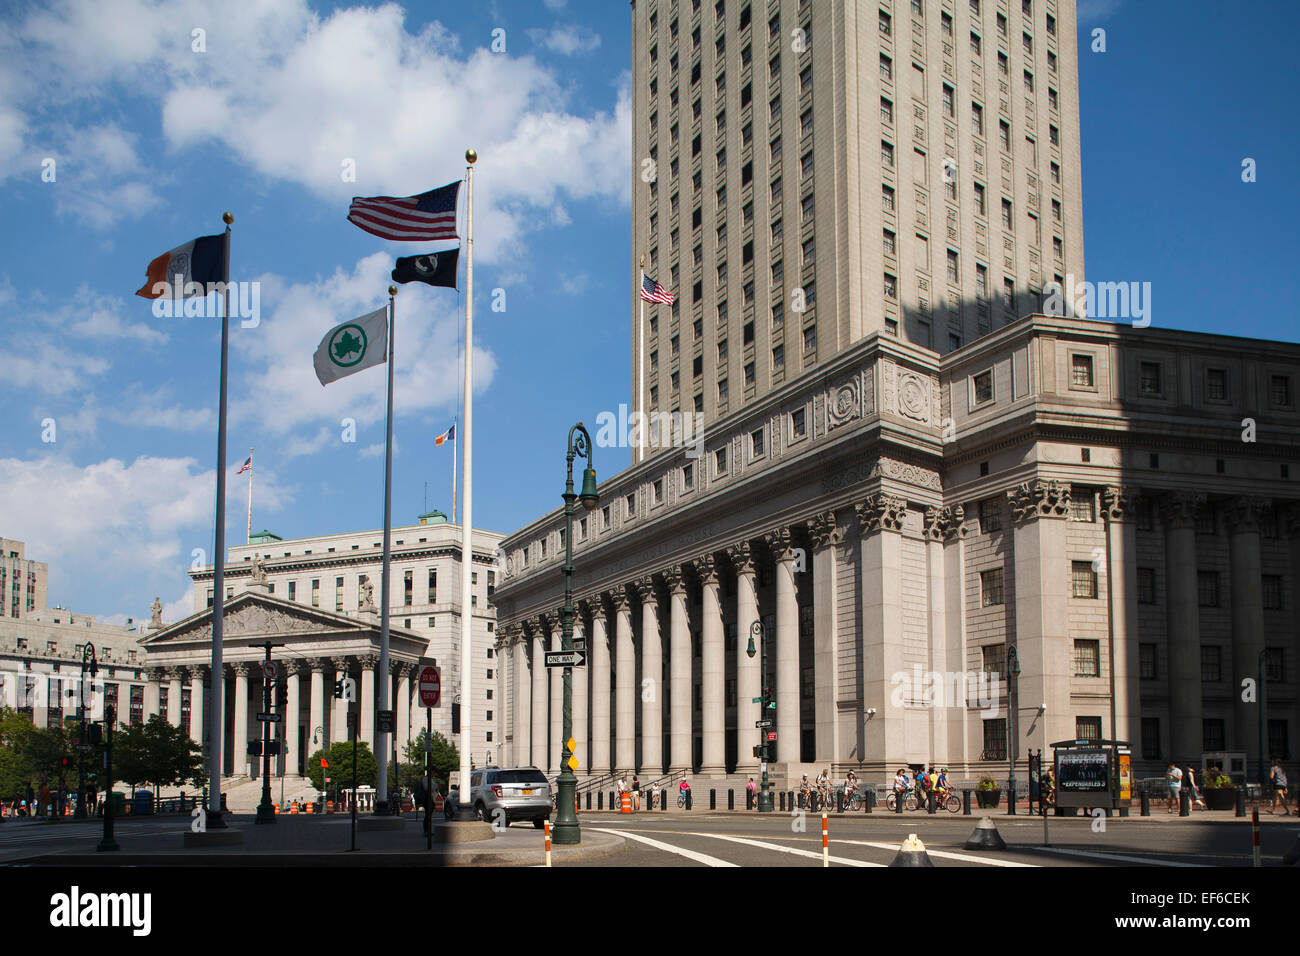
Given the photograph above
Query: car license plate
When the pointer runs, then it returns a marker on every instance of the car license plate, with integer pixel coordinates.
(527, 793)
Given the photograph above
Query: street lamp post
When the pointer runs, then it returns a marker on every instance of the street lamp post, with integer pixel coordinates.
(1013, 728)
(88, 663)
(1263, 769)
(108, 843)
(756, 633)
(566, 830)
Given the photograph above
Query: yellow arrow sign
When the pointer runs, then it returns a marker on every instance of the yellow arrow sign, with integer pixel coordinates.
(572, 745)
(573, 763)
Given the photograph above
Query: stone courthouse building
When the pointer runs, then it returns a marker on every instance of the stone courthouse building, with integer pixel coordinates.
(906, 468)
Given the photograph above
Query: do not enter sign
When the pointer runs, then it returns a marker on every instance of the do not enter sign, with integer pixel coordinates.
(430, 686)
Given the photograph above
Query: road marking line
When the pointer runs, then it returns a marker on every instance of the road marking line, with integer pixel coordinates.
(943, 854)
(1117, 857)
(782, 849)
(689, 854)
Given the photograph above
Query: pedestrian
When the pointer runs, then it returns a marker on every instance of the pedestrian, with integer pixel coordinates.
(1277, 777)
(43, 797)
(636, 792)
(1194, 791)
(750, 790)
(1174, 777)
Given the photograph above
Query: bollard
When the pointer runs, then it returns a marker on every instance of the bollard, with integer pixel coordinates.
(689, 797)
(1241, 801)
(663, 804)
(826, 846)
(985, 837)
(1254, 836)
(869, 798)
(965, 803)
(931, 802)
(839, 801)
(783, 801)
(1145, 809)
(912, 853)
(1184, 803)
(612, 804)
(713, 799)
(731, 799)
(749, 799)
(547, 827)
(600, 800)
(1011, 803)
(900, 797)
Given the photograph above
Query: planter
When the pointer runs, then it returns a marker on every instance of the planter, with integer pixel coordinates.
(988, 799)
(1220, 798)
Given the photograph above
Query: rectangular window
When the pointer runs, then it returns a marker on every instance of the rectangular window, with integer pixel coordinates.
(1207, 588)
(1083, 579)
(1216, 384)
(1149, 378)
(1082, 503)
(798, 423)
(980, 207)
(1007, 221)
(990, 515)
(315, 593)
(1211, 663)
(720, 460)
(1270, 590)
(1278, 745)
(1146, 584)
(1147, 661)
(338, 594)
(1212, 735)
(1004, 135)
(886, 68)
(983, 383)
(886, 110)
(778, 358)
(1279, 390)
(886, 154)
(948, 107)
(953, 273)
(991, 587)
(1087, 659)
(1273, 659)
(890, 286)
(891, 243)
(1087, 728)
(756, 443)
(1150, 738)
(994, 659)
(995, 739)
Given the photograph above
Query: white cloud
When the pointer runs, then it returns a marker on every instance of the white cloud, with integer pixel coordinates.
(44, 366)
(397, 102)
(281, 393)
(1090, 10)
(554, 4)
(127, 527)
(565, 40)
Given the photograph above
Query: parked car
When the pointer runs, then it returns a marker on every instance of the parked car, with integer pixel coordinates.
(518, 793)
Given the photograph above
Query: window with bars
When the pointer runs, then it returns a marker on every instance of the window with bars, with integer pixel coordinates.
(1087, 728)
(1278, 744)
(1146, 585)
(1212, 734)
(1273, 664)
(1081, 371)
(990, 515)
(1211, 663)
(1279, 390)
(991, 587)
(1270, 589)
(1149, 378)
(1082, 503)
(994, 659)
(1207, 588)
(1150, 738)
(1087, 658)
(1083, 579)
(1147, 662)
(995, 739)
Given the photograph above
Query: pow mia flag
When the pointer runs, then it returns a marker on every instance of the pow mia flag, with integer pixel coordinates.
(431, 268)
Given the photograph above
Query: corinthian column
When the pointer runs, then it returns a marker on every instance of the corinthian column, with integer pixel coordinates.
(824, 535)
(713, 670)
(599, 657)
(624, 685)
(1184, 628)
(880, 519)
(748, 683)
(788, 729)
(1242, 517)
(652, 673)
(1121, 541)
(539, 697)
(174, 696)
(241, 717)
(680, 663)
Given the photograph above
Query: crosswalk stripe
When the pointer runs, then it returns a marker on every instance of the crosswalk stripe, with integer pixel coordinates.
(942, 854)
(763, 845)
(689, 854)
(1115, 857)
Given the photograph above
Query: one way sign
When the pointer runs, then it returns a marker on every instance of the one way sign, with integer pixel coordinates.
(566, 658)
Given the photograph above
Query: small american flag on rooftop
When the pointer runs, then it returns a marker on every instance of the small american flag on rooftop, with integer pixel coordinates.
(652, 291)
(430, 215)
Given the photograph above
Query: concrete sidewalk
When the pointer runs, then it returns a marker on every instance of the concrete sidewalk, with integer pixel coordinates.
(321, 842)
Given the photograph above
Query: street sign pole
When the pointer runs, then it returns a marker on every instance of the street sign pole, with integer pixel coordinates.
(352, 729)
(428, 778)
(265, 809)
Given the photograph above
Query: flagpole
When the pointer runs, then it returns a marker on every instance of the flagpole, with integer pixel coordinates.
(467, 512)
(250, 496)
(381, 745)
(216, 691)
(640, 353)
(454, 451)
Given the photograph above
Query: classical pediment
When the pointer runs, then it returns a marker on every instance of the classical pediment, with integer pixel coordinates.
(252, 615)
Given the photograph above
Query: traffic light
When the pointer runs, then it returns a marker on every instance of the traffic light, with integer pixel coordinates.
(455, 717)
(66, 762)
(338, 689)
(768, 702)
(758, 750)
(281, 694)
(96, 734)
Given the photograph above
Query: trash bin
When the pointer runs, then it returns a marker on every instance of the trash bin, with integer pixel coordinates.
(142, 803)
(118, 802)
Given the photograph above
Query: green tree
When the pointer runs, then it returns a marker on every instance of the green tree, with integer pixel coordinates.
(444, 758)
(155, 752)
(16, 733)
(339, 771)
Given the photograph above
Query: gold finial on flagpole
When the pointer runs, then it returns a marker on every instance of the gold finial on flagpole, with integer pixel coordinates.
(392, 290)
(643, 260)
(227, 218)
(471, 156)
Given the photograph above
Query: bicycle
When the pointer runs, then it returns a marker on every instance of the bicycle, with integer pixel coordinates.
(854, 799)
(681, 799)
(945, 799)
(909, 803)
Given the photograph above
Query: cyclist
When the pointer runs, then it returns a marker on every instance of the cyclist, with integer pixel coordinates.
(805, 792)
(683, 791)
(850, 788)
(941, 782)
(901, 785)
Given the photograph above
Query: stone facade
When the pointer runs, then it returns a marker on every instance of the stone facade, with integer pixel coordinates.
(1118, 504)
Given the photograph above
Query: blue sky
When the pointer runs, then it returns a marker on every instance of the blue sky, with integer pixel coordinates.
(152, 140)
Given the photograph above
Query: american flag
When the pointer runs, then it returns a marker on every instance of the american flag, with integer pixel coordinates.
(652, 291)
(246, 466)
(430, 215)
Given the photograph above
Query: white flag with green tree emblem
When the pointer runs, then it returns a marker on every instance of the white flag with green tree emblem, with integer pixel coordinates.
(352, 346)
